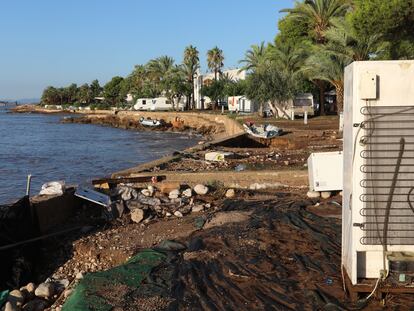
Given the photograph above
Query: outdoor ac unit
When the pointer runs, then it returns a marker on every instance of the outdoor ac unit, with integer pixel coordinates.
(378, 196)
(325, 171)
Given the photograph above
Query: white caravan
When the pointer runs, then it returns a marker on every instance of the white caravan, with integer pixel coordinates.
(158, 103)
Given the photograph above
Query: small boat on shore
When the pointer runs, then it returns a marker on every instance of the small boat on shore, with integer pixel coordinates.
(266, 131)
(150, 122)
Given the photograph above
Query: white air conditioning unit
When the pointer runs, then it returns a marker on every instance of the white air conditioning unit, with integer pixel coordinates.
(378, 196)
(325, 171)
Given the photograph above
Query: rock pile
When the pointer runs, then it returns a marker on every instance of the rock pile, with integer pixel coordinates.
(36, 298)
(149, 203)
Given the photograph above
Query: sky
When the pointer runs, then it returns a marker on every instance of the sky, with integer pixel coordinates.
(50, 42)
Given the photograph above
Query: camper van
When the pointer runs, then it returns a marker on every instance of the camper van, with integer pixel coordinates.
(241, 104)
(158, 103)
(297, 107)
(303, 103)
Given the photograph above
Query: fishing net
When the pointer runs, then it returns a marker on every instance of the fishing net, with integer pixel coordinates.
(102, 291)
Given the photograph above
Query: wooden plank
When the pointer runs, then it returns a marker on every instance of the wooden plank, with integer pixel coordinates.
(137, 179)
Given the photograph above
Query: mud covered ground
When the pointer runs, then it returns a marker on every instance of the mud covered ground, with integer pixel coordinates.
(258, 251)
(289, 151)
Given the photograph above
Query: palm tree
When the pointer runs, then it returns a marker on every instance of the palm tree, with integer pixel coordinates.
(342, 48)
(191, 64)
(289, 59)
(328, 67)
(215, 59)
(318, 15)
(344, 42)
(254, 57)
(159, 67)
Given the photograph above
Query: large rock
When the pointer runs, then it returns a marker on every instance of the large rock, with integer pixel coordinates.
(127, 193)
(35, 305)
(45, 290)
(137, 215)
(16, 297)
(230, 193)
(10, 307)
(147, 192)
(174, 194)
(197, 208)
(188, 193)
(313, 194)
(201, 189)
(30, 288)
(325, 194)
(178, 214)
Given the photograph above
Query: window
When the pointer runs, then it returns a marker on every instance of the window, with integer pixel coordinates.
(144, 102)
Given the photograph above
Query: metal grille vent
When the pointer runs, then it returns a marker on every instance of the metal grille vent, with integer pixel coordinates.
(388, 184)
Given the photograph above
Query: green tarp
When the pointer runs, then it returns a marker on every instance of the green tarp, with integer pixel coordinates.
(97, 291)
(3, 297)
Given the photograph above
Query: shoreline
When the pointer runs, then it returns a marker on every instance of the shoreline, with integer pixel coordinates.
(236, 202)
(211, 126)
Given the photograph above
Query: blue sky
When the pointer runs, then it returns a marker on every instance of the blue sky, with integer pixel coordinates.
(50, 42)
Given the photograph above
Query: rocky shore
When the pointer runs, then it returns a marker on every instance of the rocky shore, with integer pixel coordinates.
(132, 123)
(269, 246)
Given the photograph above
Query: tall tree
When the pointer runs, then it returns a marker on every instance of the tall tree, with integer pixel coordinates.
(96, 89)
(394, 19)
(270, 85)
(254, 57)
(318, 16)
(84, 94)
(215, 59)
(191, 64)
(343, 46)
(159, 67)
(112, 91)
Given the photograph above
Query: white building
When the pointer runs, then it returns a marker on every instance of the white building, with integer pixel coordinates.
(242, 104)
(200, 80)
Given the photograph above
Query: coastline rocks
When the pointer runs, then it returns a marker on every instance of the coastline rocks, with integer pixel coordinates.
(178, 214)
(45, 290)
(230, 193)
(325, 194)
(10, 307)
(127, 193)
(35, 305)
(313, 194)
(197, 208)
(146, 192)
(201, 189)
(137, 215)
(188, 193)
(16, 297)
(174, 194)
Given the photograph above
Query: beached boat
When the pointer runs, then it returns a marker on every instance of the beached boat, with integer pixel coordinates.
(263, 130)
(149, 122)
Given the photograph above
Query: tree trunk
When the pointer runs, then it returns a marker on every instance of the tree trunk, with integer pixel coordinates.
(339, 98)
(192, 95)
(272, 106)
(321, 85)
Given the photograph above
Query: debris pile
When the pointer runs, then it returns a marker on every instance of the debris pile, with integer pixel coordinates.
(150, 203)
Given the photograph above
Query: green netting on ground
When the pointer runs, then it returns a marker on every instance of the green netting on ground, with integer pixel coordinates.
(99, 291)
(3, 297)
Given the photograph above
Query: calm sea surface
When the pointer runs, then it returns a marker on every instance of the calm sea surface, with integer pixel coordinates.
(39, 145)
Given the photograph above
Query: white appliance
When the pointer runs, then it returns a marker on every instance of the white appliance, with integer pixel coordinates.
(325, 171)
(377, 215)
